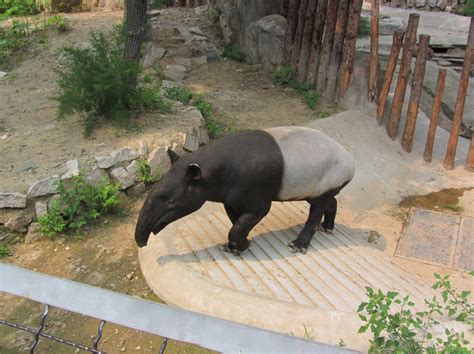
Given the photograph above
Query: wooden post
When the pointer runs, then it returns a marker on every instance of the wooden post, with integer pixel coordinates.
(292, 18)
(295, 51)
(314, 58)
(435, 115)
(399, 96)
(374, 50)
(349, 46)
(459, 108)
(415, 94)
(327, 45)
(307, 41)
(470, 156)
(336, 56)
(387, 82)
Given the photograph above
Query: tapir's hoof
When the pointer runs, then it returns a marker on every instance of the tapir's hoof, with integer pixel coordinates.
(328, 231)
(295, 249)
(236, 250)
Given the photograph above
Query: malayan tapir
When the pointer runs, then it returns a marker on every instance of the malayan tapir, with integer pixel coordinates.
(246, 171)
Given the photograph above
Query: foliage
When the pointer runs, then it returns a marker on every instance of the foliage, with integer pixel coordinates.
(404, 331)
(78, 205)
(284, 75)
(212, 124)
(145, 173)
(311, 98)
(364, 26)
(158, 4)
(17, 8)
(99, 84)
(179, 93)
(213, 15)
(4, 251)
(59, 22)
(468, 8)
(234, 53)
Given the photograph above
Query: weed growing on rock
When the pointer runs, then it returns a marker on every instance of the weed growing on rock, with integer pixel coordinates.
(78, 205)
(404, 331)
(179, 93)
(4, 251)
(146, 176)
(234, 53)
(212, 124)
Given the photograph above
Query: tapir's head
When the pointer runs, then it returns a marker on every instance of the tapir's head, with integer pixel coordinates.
(177, 194)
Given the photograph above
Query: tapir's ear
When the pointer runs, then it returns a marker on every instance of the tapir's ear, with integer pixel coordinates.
(194, 172)
(173, 156)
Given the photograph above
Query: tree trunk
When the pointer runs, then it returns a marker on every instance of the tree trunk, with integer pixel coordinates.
(327, 45)
(336, 55)
(135, 22)
(307, 41)
(349, 46)
(292, 18)
(315, 55)
(299, 33)
(374, 51)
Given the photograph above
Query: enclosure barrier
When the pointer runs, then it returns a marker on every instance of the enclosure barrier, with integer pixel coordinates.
(150, 317)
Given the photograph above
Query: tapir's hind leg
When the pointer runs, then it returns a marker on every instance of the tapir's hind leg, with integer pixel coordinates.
(330, 215)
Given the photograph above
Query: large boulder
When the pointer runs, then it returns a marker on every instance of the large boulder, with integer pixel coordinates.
(265, 41)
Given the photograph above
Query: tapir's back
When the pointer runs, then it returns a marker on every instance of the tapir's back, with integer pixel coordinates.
(313, 163)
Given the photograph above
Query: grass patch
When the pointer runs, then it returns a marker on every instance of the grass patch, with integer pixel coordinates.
(78, 205)
(234, 53)
(4, 251)
(178, 93)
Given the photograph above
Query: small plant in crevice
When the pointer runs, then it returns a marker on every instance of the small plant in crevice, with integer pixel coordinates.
(146, 176)
(179, 93)
(78, 205)
(398, 329)
(4, 251)
(234, 53)
(214, 127)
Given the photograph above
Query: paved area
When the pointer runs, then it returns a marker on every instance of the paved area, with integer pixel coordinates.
(439, 239)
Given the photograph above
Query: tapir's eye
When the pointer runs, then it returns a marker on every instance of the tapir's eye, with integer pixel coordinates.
(171, 202)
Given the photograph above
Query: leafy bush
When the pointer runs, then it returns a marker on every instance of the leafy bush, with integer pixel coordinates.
(468, 8)
(99, 83)
(4, 251)
(145, 173)
(212, 124)
(312, 99)
(59, 22)
(402, 331)
(79, 204)
(364, 26)
(284, 75)
(234, 53)
(17, 8)
(158, 4)
(179, 93)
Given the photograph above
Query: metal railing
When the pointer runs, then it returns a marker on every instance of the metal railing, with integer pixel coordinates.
(154, 318)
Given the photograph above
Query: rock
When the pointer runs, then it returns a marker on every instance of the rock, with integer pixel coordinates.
(191, 142)
(137, 190)
(197, 37)
(196, 30)
(34, 233)
(265, 41)
(199, 60)
(410, 3)
(175, 72)
(72, 169)
(212, 57)
(184, 33)
(155, 53)
(44, 187)
(41, 208)
(28, 165)
(201, 9)
(133, 170)
(12, 200)
(4, 136)
(152, 14)
(159, 161)
(420, 3)
(2, 74)
(431, 3)
(143, 149)
(121, 176)
(96, 177)
(122, 155)
(387, 26)
(20, 222)
(183, 61)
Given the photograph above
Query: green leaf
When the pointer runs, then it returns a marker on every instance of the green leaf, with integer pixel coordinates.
(471, 273)
(392, 294)
(461, 317)
(429, 336)
(363, 318)
(363, 329)
(362, 306)
(465, 294)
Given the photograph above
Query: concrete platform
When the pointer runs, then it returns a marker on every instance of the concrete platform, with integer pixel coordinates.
(268, 286)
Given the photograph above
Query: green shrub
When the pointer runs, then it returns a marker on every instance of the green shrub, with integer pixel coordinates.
(4, 251)
(403, 331)
(18, 8)
(364, 26)
(468, 8)
(284, 75)
(234, 53)
(179, 93)
(78, 205)
(312, 99)
(59, 22)
(212, 124)
(158, 4)
(145, 173)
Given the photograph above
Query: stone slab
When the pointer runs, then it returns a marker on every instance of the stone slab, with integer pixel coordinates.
(464, 259)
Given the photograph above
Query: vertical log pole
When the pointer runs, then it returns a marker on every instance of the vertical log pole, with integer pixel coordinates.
(459, 108)
(349, 46)
(293, 8)
(314, 58)
(336, 56)
(295, 51)
(415, 94)
(387, 82)
(435, 115)
(399, 96)
(374, 50)
(327, 45)
(307, 41)
(470, 156)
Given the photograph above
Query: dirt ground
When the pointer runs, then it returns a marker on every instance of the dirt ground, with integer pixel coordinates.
(106, 254)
